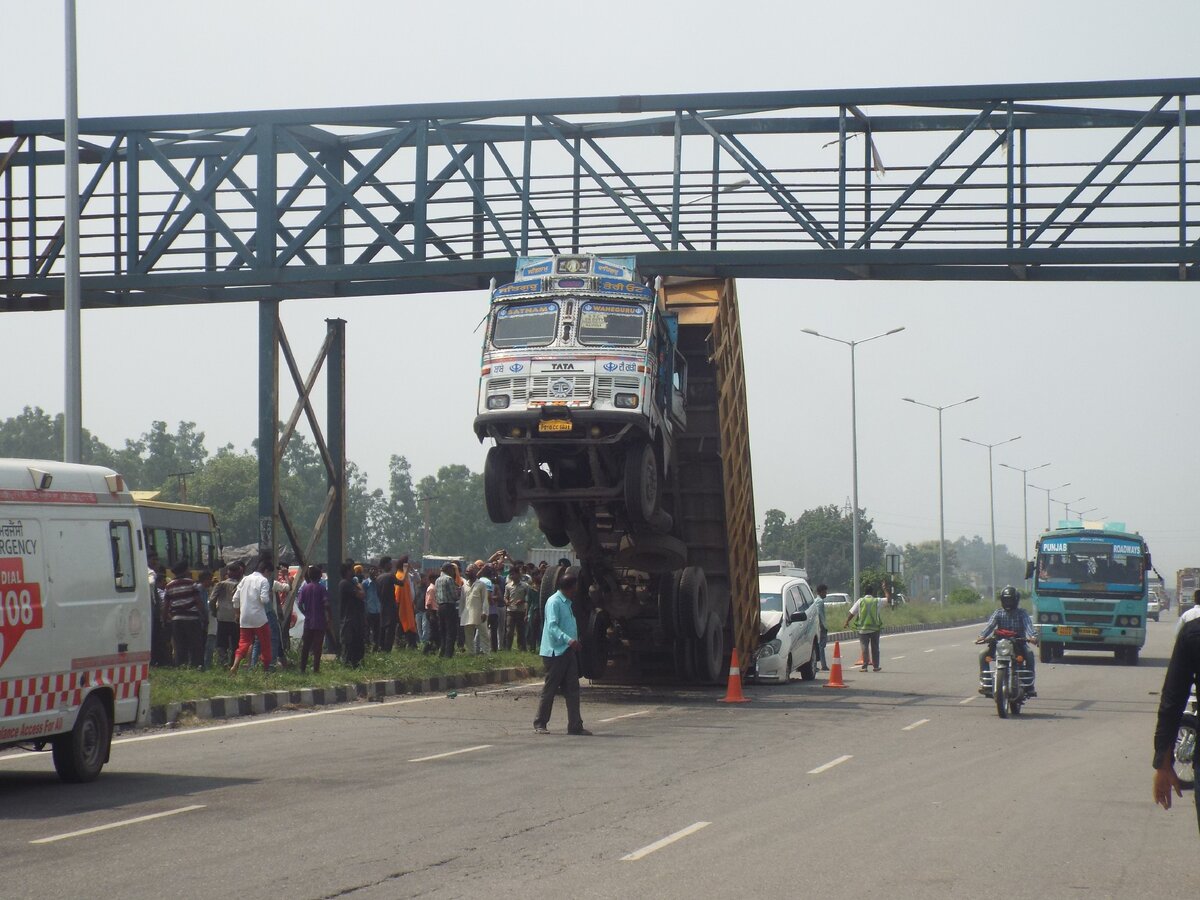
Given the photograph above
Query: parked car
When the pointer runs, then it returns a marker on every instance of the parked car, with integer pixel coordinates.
(1153, 607)
(789, 639)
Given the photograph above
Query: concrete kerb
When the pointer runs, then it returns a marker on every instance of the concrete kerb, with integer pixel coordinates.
(905, 629)
(259, 704)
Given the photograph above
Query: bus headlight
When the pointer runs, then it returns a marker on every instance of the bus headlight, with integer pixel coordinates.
(1135, 621)
(625, 401)
(497, 401)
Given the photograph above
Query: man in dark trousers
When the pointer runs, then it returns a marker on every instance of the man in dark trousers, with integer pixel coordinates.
(560, 654)
(354, 617)
(1183, 674)
(186, 616)
(385, 586)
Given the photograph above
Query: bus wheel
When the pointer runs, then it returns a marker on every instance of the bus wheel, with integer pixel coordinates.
(498, 493)
(1131, 656)
(81, 754)
(1045, 652)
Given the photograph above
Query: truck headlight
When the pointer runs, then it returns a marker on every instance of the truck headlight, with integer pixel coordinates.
(770, 648)
(497, 401)
(626, 401)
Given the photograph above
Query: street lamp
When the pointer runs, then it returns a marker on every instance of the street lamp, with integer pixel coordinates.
(941, 502)
(1083, 512)
(992, 497)
(1067, 505)
(1025, 501)
(853, 438)
(1049, 491)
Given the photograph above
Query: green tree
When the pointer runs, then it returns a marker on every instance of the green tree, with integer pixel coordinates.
(229, 484)
(921, 563)
(458, 521)
(821, 540)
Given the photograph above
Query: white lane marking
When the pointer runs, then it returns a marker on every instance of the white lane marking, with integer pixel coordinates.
(931, 650)
(829, 765)
(953, 645)
(519, 687)
(668, 840)
(450, 753)
(914, 725)
(644, 712)
(968, 700)
(894, 658)
(121, 824)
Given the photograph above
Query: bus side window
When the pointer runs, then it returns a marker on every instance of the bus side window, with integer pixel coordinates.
(207, 556)
(120, 536)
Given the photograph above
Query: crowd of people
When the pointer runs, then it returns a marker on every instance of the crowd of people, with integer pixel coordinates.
(380, 606)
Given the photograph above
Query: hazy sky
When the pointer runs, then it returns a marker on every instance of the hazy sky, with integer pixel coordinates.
(1097, 378)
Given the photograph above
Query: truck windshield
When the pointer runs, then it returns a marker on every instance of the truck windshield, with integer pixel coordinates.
(1090, 566)
(611, 324)
(524, 325)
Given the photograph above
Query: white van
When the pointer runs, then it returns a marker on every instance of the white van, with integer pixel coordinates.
(74, 612)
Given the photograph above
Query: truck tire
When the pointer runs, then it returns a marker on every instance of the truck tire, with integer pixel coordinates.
(641, 483)
(668, 599)
(80, 754)
(498, 493)
(651, 552)
(692, 612)
(708, 651)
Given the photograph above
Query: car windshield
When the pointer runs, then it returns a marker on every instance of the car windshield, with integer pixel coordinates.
(770, 602)
(524, 325)
(1090, 565)
(611, 324)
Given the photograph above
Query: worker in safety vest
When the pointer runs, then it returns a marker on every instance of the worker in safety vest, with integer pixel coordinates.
(868, 623)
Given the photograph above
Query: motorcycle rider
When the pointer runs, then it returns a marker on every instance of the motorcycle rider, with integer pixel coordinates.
(1010, 617)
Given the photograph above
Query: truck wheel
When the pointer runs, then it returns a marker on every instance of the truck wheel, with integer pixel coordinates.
(1045, 653)
(693, 610)
(498, 493)
(641, 483)
(80, 754)
(708, 651)
(668, 599)
(595, 646)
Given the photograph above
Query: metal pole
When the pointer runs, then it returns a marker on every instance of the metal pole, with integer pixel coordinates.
(992, 509)
(335, 424)
(941, 521)
(1025, 515)
(73, 376)
(854, 474)
(268, 424)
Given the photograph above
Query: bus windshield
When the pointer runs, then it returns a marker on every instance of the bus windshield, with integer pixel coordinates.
(1091, 565)
(524, 325)
(611, 324)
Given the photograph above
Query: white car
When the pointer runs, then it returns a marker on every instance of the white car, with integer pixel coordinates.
(1153, 607)
(837, 600)
(789, 639)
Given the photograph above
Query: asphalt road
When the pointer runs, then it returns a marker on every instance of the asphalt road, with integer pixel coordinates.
(906, 784)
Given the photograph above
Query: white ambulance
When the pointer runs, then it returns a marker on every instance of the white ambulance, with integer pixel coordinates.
(74, 612)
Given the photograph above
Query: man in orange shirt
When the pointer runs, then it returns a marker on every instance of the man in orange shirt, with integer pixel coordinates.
(404, 602)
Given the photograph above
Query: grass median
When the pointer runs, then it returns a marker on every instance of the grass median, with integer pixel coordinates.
(169, 685)
(918, 613)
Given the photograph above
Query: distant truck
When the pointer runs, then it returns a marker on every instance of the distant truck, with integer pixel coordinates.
(74, 612)
(617, 412)
(1187, 582)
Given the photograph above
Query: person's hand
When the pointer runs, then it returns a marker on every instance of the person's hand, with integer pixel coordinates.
(574, 644)
(981, 640)
(1165, 780)
(1035, 640)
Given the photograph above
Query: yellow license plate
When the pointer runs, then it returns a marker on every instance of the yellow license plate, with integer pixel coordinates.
(1089, 632)
(554, 425)
(1064, 629)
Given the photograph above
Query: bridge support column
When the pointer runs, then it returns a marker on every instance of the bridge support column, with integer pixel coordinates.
(335, 424)
(268, 423)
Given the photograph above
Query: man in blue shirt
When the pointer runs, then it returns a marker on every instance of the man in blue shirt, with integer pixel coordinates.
(1014, 620)
(560, 655)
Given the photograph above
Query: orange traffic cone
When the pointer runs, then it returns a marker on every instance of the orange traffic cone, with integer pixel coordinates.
(733, 693)
(835, 671)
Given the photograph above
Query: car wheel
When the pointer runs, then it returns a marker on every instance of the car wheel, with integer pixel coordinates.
(808, 671)
(80, 754)
(787, 672)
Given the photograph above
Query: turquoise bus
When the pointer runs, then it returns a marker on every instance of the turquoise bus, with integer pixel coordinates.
(1089, 591)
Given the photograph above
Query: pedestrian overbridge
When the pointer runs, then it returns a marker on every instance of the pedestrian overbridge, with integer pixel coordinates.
(1061, 181)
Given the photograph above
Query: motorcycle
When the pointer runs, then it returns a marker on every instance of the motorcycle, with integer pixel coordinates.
(1006, 679)
(1185, 743)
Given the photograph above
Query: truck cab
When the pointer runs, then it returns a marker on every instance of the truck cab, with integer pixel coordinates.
(582, 389)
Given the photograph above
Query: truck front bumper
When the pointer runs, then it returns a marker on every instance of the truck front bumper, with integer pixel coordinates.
(1094, 637)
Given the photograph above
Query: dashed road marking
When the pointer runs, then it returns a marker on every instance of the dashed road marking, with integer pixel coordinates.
(915, 725)
(829, 765)
(894, 658)
(968, 700)
(643, 712)
(451, 753)
(931, 650)
(81, 832)
(664, 842)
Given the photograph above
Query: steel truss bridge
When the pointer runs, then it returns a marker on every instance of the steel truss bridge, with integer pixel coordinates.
(997, 182)
(1038, 182)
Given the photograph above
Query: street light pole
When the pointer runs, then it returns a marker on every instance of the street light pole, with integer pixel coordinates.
(853, 443)
(1025, 501)
(72, 302)
(1049, 491)
(992, 498)
(941, 501)
(1067, 506)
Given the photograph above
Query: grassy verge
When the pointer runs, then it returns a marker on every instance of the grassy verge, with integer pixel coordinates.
(919, 614)
(175, 685)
